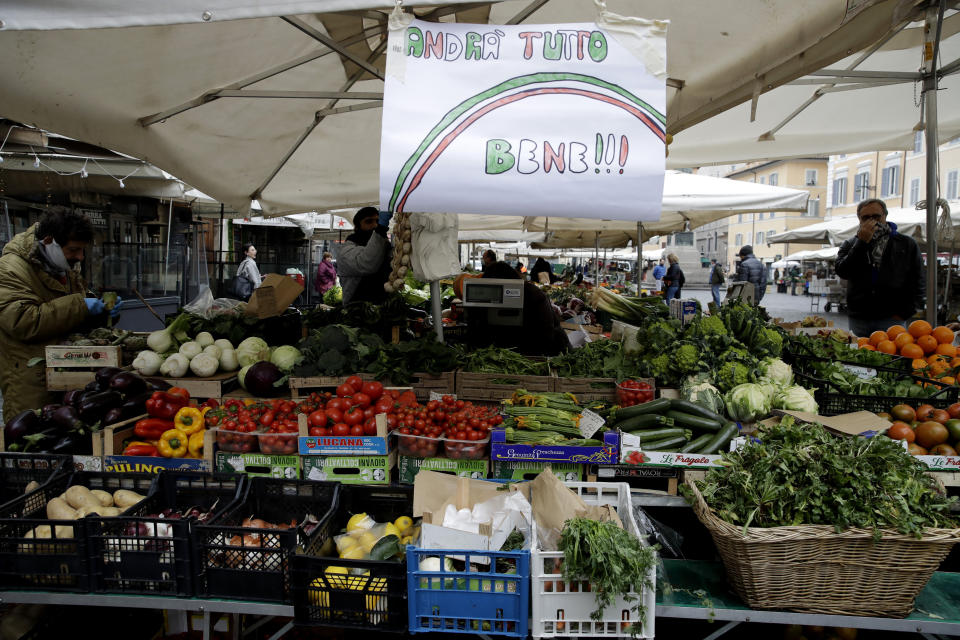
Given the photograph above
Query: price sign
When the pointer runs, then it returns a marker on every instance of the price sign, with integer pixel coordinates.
(590, 423)
(864, 373)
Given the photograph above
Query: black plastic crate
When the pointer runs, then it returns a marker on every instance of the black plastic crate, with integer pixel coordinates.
(371, 595)
(249, 563)
(61, 562)
(831, 401)
(17, 470)
(136, 553)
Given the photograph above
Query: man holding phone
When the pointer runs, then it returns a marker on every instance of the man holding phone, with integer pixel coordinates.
(884, 272)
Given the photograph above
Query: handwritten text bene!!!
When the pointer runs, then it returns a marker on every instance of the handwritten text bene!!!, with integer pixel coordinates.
(563, 44)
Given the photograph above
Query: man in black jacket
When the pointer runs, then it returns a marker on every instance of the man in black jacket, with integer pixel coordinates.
(753, 271)
(883, 270)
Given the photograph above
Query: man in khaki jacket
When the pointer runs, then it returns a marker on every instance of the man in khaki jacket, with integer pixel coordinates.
(42, 299)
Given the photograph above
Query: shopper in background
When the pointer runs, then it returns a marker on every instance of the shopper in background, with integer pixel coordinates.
(43, 299)
(673, 279)
(364, 258)
(883, 270)
(248, 266)
(717, 278)
(542, 266)
(658, 272)
(326, 274)
(794, 276)
(753, 271)
(489, 258)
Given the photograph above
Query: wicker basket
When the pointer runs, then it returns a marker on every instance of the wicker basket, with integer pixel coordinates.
(814, 569)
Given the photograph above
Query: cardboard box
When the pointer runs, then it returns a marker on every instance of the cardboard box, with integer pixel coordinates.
(350, 469)
(273, 296)
(632, 450)
(520, 470)
(377, 445)
(500, 449)
(109, 443)
(408, 468)
(258, 464)
(858, 423)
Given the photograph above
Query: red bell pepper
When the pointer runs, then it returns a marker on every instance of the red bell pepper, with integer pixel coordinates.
(152, 428)
(140, 449)
(180, 392)
(165, 405)
(210, 402)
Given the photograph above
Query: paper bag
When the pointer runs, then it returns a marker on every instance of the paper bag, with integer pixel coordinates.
(553, 504)
(432, 491)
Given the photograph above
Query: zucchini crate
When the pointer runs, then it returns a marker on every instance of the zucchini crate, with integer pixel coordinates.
(589, 389)
(248, 563)
(561, 608)
(494, 387)
(141, 552)
(371, 594)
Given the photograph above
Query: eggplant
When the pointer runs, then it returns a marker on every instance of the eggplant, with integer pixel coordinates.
(113, 416)
(105, 375)
(157, 384)
(135, 405)
(93, 406)
(72, 397)
(75, 443)
(127, 383)
(46, 414)
(65, 419)
(23, 424)
(92, 386)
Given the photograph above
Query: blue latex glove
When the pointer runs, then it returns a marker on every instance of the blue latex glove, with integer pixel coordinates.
(94, 306)
(384, 218)
(116, 307)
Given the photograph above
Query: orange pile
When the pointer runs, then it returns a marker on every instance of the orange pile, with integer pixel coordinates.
(931, 349)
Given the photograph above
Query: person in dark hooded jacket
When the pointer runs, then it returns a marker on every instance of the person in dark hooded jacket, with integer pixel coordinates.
(752, 270)
(541, 266)
(363, 260)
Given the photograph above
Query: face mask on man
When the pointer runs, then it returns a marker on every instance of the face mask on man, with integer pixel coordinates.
(54, 253)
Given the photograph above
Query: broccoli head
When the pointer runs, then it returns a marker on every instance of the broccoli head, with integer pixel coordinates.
(684, 359)
(657, 367)
(731, 374)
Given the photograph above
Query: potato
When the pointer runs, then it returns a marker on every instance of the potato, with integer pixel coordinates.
(79, 496)
(83, 512)
(124, 498)
(59, 509)
(33, 485)
(110, 512)
(106, 500)
(43, 532)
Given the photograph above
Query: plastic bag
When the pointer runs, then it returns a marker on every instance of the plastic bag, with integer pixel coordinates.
(205, 306)
(669, 539)
(436, 253)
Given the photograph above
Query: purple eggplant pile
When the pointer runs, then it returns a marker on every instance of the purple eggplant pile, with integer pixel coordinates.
(114, 395)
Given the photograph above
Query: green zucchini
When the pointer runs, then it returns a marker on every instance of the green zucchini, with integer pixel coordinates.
(647, 421)
(651, 435)
(686, 406)
(694, 422)
(698, 443)
(666, 444)
(721, 438)
(654, 406)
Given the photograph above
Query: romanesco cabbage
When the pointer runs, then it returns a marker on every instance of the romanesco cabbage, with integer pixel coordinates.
(731, 374)
(685, 358)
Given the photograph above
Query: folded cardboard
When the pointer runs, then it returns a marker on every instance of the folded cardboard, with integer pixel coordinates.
(273, 296)
(858, 423)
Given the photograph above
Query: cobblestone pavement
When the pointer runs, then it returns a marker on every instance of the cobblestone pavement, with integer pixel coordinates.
(783, 305)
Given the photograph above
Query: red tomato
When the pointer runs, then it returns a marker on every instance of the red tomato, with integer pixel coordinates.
(356, 430)
(353, 416)
(345, 390)
(340, 429)
(354, 381)
(373, 389)
(370, 427)
(408, 399)
(383, 406)
(361, 400)
(369, 412)
(317, 418)
(334, 415)
(336, 403)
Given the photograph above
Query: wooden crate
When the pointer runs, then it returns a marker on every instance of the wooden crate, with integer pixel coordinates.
(303, 387)
(58, 380)
(71, 367)
(425, 383)
(212, 387)
(588, 389)
(493, 387)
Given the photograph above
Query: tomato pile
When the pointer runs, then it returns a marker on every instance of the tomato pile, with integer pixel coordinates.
(927, 430)
(631, 392)
(462, 425)
(241, 423)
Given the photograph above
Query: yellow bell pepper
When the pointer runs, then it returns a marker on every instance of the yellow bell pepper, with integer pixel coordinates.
(173, 444)
(195, 444)
(189, 420)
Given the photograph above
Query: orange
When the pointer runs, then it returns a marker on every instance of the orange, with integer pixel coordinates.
(869, 347)
(927, 342)
(862, 341)
(943, 335)
(946, 350)
(911, 351)
(919, 363)
(948, 380)
(920, 328)
(903, 339)
(954, 363)
(887, 346)
(877, 337)
(936, 357)
(895, 331)
(938, 368)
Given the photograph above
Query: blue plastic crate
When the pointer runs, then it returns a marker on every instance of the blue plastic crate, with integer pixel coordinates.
(477, 602)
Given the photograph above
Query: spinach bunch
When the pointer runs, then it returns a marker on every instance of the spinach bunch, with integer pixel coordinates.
(801, 474)
(505, 361)
(398, 362)
(597, 359)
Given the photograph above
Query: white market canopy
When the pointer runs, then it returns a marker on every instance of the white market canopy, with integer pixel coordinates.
(910, 222)
(830, 253)
(279, 101)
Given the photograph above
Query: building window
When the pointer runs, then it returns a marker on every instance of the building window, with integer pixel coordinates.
(759, 237)
(773, 214)
(918, 142)
(763, 179)
(813, 208)
(839, 192)
(860, 184)
(914, 191)
(740, 218)
(773, 179)
(761, 216)
(739, 240)
(811, 180)
(889, 181)
(952, 185)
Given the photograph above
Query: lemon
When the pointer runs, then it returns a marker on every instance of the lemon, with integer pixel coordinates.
(355, 552)
(391, 530)
(405, 540)
(367, 541)
(359, 521)
(403, 524)
(319, 593)
(345, 542)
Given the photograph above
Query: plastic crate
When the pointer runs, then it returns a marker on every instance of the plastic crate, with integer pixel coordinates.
(374, 594)
(17, 470)
(62, 562)
(158, 558)
(562, 608)
(831, 401)
(480, 602)
(258, 566)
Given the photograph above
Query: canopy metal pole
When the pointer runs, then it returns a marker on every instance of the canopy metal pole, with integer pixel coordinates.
(930, 101)
(596, 261)
(639, 253)
(437, 309)
(166, 258)
(220, 254)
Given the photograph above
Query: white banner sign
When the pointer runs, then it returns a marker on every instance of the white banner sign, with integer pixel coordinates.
(550, 120)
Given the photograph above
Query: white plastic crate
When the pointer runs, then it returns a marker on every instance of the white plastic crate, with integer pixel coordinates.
(562, 609)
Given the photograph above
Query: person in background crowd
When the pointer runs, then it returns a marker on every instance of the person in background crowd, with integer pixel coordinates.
(364, 258)
(658, 272)
(248, 266)
(717, 278)
(753, 271)
(776, 275)
(43, 298)
(884, 272)
(540, 334)
(794, 279)
(521, 269)
(807, 279)
(673, 279)
(542, 266)
(489, 258)
(326, 274)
